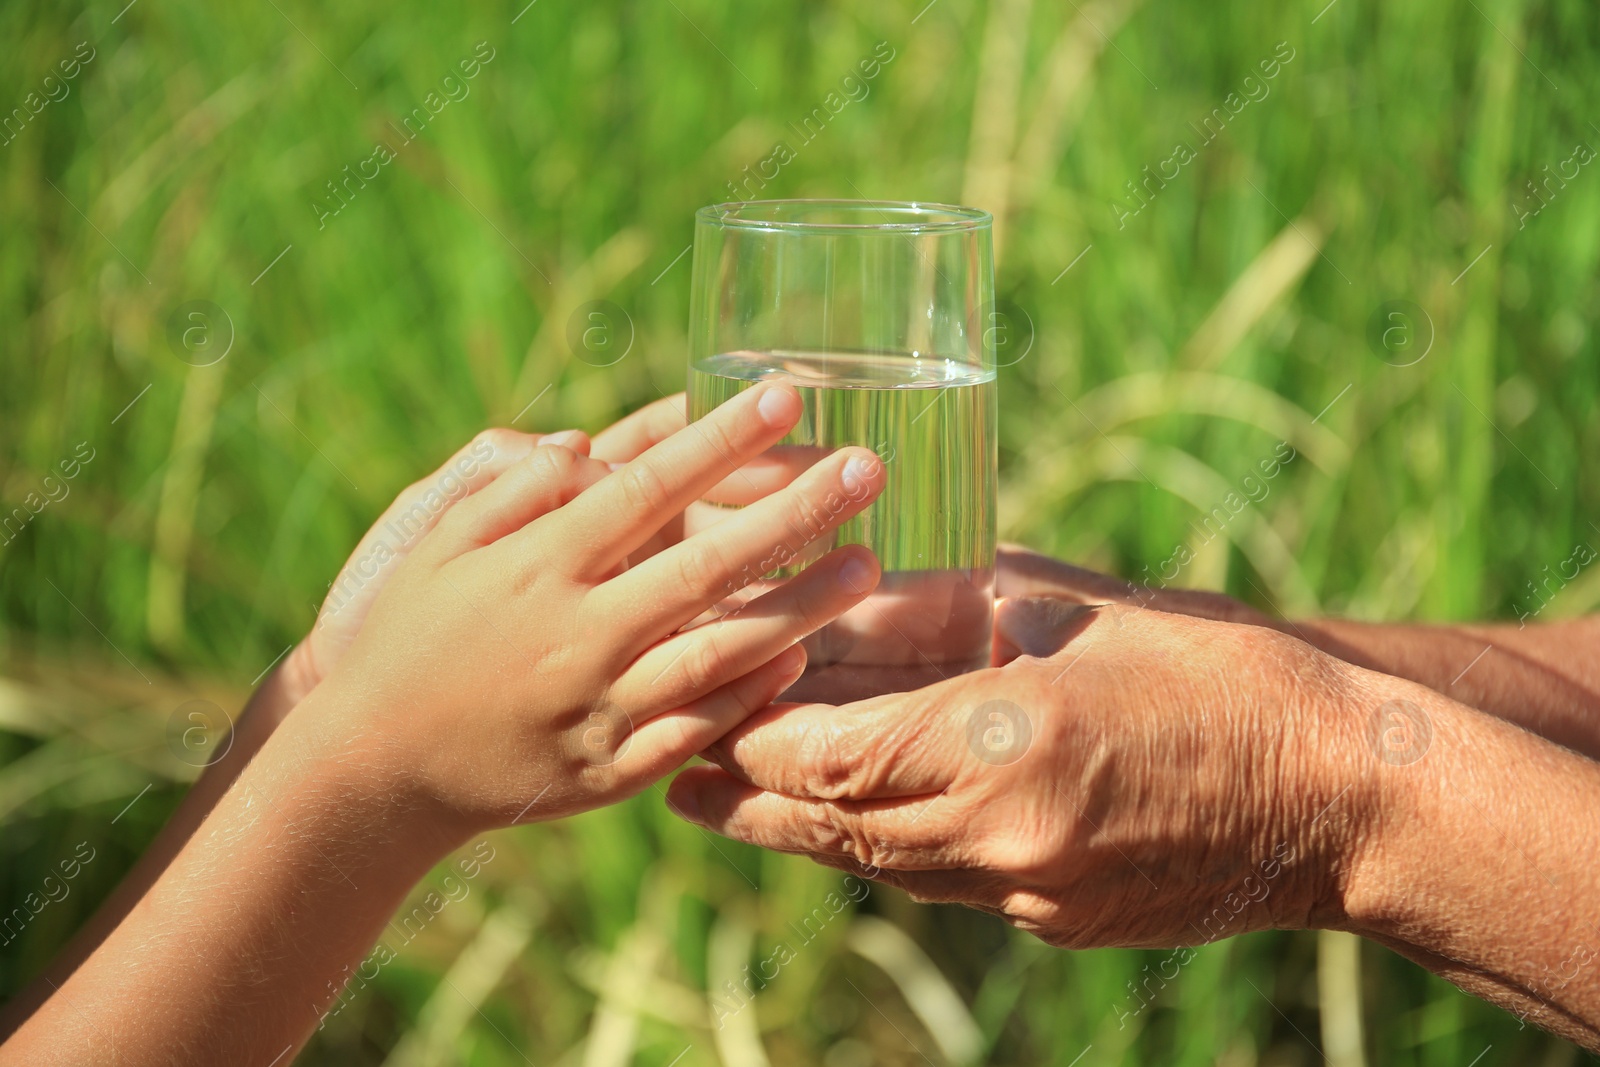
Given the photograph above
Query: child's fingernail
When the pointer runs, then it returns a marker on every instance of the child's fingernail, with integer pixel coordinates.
(790, 662)
(776, 407)
(856, 472)
(566, 438)
(856, 575)
(616, 466)
(686, 805)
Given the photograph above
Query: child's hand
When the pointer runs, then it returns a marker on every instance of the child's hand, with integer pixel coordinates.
(515, 669)
(627, 439)
(510, 667)
(416, 510)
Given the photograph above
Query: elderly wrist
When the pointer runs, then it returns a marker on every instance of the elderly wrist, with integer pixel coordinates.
(1328, 804)
(1386, 728)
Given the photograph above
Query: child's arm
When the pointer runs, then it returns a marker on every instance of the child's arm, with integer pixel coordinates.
(513, 669)
(415, 511)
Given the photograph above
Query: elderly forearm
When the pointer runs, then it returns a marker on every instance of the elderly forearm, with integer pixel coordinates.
(1483, 861)
(250, 929)
(1543, 677)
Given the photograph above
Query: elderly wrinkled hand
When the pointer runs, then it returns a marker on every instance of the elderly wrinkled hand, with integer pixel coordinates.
(1129, 777)
(1125, 776)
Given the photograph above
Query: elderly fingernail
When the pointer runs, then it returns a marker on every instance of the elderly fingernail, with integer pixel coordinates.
(856, 575)
(777, 407)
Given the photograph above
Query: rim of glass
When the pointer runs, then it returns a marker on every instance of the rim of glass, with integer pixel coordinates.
(892, 216)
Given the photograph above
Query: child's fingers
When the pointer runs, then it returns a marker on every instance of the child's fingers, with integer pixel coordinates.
(674, 586)
(659, 746)
(628, 438)
(549, 477)
(418, 507)
(626, 509)
(766, 474)
(697, 661)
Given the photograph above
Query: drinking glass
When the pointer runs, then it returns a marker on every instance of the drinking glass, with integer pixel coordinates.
(877, 313)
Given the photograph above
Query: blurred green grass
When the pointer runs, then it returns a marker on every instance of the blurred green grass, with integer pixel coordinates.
(183, 165)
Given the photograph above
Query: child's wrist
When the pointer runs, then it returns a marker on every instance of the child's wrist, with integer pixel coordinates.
(288, 683)
(291, 681)
(324, 749)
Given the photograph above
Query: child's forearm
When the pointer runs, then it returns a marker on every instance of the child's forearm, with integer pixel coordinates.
(251, 928)
(284, 687)
(416, 510)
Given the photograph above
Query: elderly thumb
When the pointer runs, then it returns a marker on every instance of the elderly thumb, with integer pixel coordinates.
(1035, 626)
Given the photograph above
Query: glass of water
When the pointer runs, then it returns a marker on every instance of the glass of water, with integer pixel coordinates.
(877, 312)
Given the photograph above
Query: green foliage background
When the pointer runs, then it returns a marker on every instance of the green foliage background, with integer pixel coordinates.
(1234, 310)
